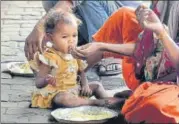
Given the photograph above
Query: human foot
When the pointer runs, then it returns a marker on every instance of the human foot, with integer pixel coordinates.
(123, 94)
(112, 103)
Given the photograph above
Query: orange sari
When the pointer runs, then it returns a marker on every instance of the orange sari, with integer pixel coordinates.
(121, 28)
(152, 103)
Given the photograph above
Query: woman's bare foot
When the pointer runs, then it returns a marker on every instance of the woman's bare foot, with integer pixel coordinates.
(112, 102)
(123, 94)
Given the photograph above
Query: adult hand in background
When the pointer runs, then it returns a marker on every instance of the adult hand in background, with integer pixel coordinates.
(33, 43)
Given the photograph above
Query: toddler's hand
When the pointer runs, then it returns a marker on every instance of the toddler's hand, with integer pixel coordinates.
(50, 80)
(85, 91)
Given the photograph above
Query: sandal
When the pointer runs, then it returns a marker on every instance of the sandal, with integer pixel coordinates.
(109, 66)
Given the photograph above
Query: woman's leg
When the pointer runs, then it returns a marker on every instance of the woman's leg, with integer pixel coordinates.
(162, 100)
(123, 94)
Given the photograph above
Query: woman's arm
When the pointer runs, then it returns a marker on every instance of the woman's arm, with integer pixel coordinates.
(123, 49)
(148, 19)
(91, 49)
(170, 46)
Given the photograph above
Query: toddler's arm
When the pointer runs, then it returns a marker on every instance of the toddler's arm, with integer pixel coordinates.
(85, 89)
(42, 75)
(83, 81)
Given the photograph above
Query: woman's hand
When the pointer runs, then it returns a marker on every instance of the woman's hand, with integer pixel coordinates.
(83, 52)
(148, 19)
(33, 43)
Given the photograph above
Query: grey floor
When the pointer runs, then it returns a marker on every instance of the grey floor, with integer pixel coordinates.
(16, 95)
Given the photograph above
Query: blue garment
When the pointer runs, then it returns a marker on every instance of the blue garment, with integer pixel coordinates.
(133, 4)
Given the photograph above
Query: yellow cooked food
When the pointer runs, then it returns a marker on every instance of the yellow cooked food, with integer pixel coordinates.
(91, 115)
(87, 115)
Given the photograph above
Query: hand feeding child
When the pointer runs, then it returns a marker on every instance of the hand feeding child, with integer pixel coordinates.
(57, 70)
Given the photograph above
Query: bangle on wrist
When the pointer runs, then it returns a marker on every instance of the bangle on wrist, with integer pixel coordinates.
(163, 33)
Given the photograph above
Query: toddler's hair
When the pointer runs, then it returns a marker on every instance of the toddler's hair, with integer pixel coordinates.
(55, 17)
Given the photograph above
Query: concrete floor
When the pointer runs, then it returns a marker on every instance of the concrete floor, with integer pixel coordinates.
(16, 96)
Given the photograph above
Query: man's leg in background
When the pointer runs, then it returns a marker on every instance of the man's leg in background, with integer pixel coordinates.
(94, 14)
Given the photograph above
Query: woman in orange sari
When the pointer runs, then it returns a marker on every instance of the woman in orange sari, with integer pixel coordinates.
(121, 33)
(156, 102)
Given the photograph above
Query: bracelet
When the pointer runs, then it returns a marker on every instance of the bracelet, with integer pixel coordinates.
(164, 33)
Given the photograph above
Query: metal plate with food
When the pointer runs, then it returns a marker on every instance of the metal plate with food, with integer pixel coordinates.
(19, 68)
(83, 114)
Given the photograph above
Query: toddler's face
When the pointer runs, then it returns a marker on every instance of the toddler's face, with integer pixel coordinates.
(65, 37)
